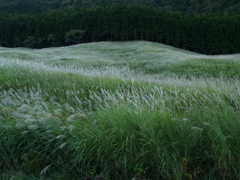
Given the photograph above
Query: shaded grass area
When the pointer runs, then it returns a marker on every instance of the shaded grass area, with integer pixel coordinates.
(191, 68)
(208, 67)
(71, 123)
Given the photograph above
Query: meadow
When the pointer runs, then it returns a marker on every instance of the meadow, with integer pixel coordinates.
(119, 110)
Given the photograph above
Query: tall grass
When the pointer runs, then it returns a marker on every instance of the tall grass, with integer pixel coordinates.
(61, 120)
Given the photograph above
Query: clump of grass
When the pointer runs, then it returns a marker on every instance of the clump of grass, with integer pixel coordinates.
(132, 133)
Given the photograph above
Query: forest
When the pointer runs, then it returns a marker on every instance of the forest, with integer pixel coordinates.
(212, 33)
(187, 6)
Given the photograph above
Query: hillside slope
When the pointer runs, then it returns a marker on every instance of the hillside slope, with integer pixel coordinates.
(122, 110)
(189, 6)
(138, 56)
(201, 6)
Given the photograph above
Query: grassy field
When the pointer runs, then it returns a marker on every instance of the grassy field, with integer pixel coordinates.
(119, 110)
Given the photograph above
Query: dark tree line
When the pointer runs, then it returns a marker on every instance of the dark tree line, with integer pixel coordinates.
(216, 33)
(187, 6)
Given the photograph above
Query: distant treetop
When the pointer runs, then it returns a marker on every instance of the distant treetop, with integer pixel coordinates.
(188, 6)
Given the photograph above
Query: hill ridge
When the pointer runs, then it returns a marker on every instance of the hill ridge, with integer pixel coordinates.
(196, 7)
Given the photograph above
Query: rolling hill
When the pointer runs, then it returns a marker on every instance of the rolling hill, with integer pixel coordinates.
(141, 56)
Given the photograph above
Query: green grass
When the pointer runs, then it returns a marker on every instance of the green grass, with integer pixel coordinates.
(119, 110)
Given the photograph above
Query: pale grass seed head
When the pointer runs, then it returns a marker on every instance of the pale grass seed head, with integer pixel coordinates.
(62, 145)
(196, 128)
(33, 127)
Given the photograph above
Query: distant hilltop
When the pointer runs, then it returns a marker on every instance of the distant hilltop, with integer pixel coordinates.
(188, 6)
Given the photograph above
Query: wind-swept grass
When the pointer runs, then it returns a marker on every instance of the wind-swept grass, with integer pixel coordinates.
(145, 57)
(96, 110)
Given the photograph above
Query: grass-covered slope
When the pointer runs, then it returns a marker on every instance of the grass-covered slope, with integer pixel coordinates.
(120, 111)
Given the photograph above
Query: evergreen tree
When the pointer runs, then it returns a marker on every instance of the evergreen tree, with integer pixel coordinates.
(30, 42)
(73, 37)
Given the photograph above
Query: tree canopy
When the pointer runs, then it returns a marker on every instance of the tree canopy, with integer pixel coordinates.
(214, 33)
(189, 6)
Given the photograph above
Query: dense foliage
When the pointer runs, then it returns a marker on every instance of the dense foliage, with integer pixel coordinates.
(189, 6)
(216, 33)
